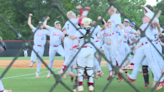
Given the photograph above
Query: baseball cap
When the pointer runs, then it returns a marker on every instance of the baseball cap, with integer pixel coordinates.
(150, 15)
(56, 22)
(132, 24)
(126, 19)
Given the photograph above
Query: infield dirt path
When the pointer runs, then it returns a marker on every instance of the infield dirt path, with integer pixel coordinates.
(26, 63)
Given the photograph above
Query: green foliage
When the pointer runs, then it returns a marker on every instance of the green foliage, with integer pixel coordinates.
(16, 12)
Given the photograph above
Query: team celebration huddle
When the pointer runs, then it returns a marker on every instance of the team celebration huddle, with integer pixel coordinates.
(113, 38)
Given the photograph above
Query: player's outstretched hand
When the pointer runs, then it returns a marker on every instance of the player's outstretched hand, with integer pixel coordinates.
(160, 34)
(78, 7)
(71, 48)
(142, 6)
(1, 39)
(30, 15)
(47, 18)
(99, 17)
(125, 36)
(64, 32)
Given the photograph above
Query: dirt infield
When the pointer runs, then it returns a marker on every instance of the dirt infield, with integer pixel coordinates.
(26, 63)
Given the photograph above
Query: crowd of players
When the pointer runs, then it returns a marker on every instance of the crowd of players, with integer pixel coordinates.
(114, 38)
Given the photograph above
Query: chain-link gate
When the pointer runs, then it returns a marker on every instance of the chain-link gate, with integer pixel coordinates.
(55, 5)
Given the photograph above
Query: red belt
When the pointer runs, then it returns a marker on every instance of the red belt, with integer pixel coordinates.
(125, 42)
(86, 47)
(55, 45)
(39, 45)
(97, 41)
(147, 42)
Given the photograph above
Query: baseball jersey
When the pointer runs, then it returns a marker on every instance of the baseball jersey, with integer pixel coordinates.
(116, 31)
(128, 31)
(107, 35)
(56, 36)
(95, 33)
(79, 35)
(149, 33)
(69, 27)
(40, 36)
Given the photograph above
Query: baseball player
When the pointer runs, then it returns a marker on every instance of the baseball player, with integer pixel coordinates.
(85, 57)
(107, 47)
(39, 42)
(132, 37)
(68, 43)
(148, 51)
(2, 49)
(156, 33)
(25, 52)
(128, 31)
(56, 37)
(116, 38)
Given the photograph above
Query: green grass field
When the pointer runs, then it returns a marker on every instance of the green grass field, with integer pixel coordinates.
(23, 80)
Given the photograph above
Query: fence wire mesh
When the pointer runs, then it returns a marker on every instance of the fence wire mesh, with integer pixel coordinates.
(55, 5)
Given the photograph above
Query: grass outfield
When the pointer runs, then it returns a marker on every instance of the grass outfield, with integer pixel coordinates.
(23, 80)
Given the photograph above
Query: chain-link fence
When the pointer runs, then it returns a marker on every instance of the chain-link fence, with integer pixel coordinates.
(55, 5)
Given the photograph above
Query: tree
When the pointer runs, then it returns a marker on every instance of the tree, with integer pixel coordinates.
(17, 14)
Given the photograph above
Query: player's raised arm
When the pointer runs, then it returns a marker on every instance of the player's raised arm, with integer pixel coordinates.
(45, 23)
(29, 21)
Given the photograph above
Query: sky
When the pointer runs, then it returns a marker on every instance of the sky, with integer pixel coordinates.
(152, 2)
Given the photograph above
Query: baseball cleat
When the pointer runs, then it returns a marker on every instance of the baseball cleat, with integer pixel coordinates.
(131, 80)
(7, 91)
(109, 78)
(121, 71)
(61, 72)
(70, 74)
(153, 84)
(91, 88)
(119, 79)
(80, 88)
(48, 76)
(130, 67)
(146, 85)
(100, 73)
(32, 63)
(159, 86)
(37, 75)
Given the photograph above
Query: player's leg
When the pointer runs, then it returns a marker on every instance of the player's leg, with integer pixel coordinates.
(40, 53)
(80, 70)
(127, 51)
(1, 86)
(89, 71)
(52, 53)
(149, 52)
(68, 53)
(137, 60)
(33, 55)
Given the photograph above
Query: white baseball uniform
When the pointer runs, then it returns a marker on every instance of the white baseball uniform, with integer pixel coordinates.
(39, 42)
(107, 47)
(68, 43)
(56, 37)
(85, 57)
(116, 39)
(148, 51)
(128, 31)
